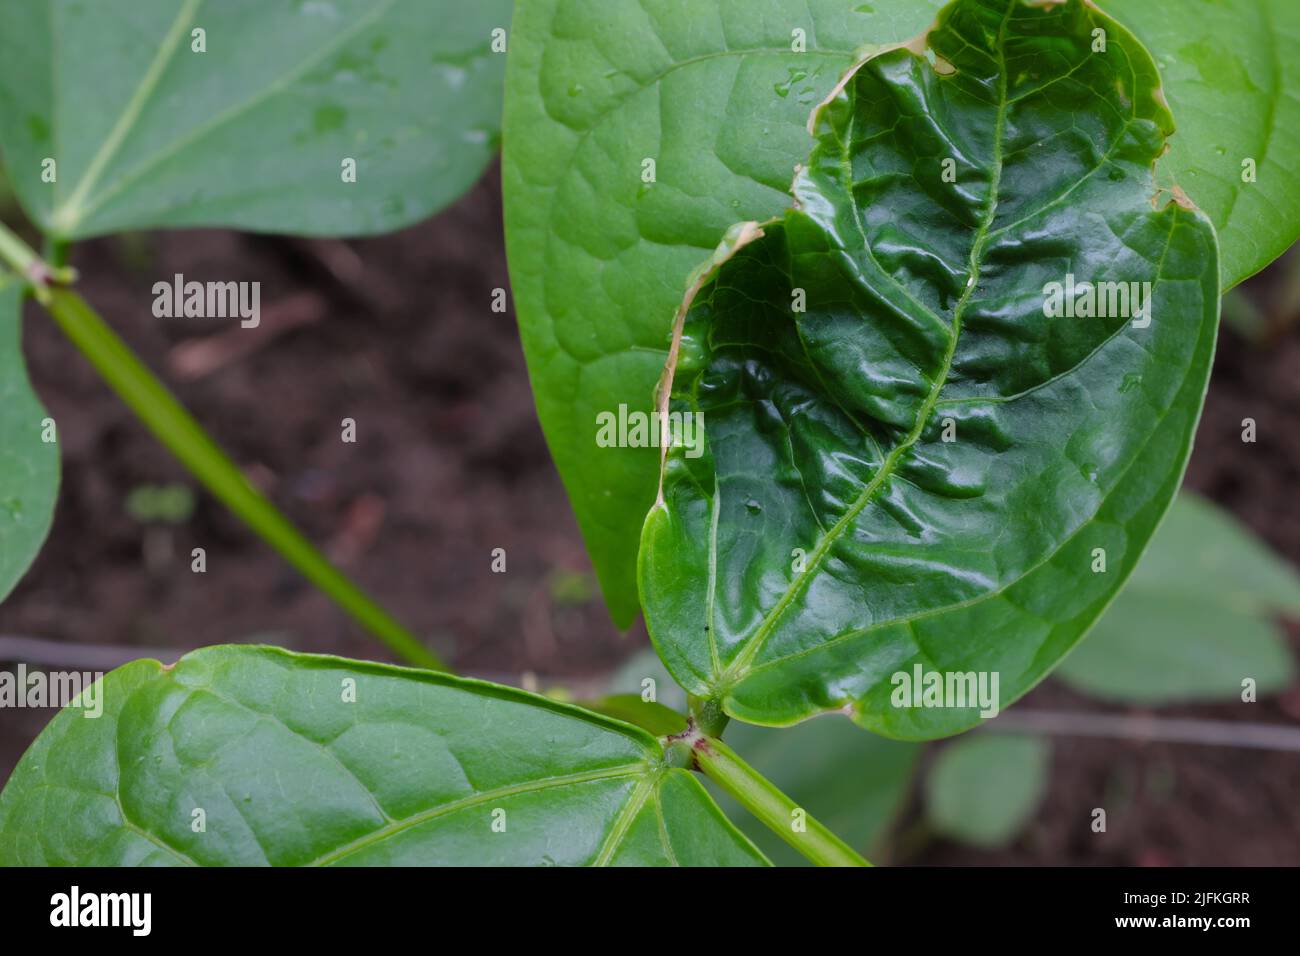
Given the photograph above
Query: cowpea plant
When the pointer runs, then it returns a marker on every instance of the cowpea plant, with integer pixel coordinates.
(912, 459)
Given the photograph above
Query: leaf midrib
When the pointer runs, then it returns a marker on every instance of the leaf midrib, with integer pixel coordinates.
(483, 796)
(988, 595)
(79, 216)
(67, 216)
(741, 665)
(628, 813)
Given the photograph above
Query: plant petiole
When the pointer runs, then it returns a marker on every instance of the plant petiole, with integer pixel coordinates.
(31, 267)
(188, 441)
(760, 797)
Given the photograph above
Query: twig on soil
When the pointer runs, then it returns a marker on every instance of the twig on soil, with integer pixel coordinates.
(197, 358)
(1176, 730)
(361, 524)
(41, 652)
(78, 657)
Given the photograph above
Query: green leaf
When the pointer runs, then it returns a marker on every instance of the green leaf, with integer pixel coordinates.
(854, 783)
(713, 93)
(831, 536)
(252, 133)
(1233, 82)
(984, 789)
(659, 720)
(1196, 618)
(29, 466)
(306, 760)
(1202, 547)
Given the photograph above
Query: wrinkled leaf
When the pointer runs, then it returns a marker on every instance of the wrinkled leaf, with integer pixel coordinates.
(253, 132)
(306, 760)
(922, 468)
(714, 94)
(1195, 619)
(854, 783)
(1233, 82)
(599, 258)
(29, 466)
(984, 789)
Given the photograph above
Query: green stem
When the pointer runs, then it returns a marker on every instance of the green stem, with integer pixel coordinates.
(30, 268)
(187, 440)
(708, 714)
(17, 253)
(777, 811)
(56, 251)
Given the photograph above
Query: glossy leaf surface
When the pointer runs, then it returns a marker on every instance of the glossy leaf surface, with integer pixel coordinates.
(599, 257)
(145, 130)
(1197, 618)
(1233, 82)
(29, 465)
(913, 460)
(717, 94)
(305, 760)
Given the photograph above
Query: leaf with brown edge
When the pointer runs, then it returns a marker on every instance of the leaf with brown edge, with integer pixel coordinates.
(932, 465)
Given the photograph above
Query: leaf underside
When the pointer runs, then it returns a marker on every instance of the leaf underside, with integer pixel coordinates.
(252, 133)
(29, 466)
(830, 537)
(316, 761)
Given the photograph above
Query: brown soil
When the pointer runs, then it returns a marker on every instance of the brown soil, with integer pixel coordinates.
(449, 463)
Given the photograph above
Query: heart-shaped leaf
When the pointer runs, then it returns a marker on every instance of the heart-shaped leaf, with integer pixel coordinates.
(1195, 620)
(29, 465)
(637, 133)
(1233, 81)
(937, 443)
(245, 112)
(254, 755)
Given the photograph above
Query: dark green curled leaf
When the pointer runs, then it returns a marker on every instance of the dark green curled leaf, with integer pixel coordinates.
(716, 93)
(315, 761)
(908, 462)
